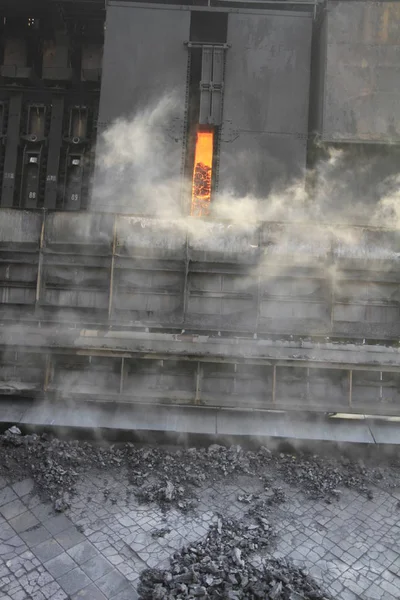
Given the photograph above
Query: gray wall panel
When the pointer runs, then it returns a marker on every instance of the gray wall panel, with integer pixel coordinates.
(144, 57)
(317, 85)
(362, 91)
(265, 101)
(268, 72)
(254, 163)
(144, 69)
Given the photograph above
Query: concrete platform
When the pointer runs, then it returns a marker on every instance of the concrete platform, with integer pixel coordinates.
(200, 421)
(98, 548)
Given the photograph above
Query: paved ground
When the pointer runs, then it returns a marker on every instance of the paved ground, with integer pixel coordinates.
(97, 549)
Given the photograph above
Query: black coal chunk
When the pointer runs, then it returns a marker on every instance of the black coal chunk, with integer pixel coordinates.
(220, 567)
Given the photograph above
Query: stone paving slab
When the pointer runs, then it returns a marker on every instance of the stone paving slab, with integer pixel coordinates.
(97, 550)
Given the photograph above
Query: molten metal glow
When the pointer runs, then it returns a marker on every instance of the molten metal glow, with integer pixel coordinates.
(201, 187)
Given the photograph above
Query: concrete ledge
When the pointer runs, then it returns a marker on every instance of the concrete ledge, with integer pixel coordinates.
(200, 421)
(284, 425)
(201, 348)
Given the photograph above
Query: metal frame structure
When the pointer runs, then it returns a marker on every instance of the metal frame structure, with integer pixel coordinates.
(118, 305)
(79, 293)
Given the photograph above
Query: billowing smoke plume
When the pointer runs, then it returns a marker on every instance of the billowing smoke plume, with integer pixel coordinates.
(306, 228)
(139, 172)
(136, 169)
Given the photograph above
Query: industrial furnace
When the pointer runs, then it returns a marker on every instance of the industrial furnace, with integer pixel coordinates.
(116, 291)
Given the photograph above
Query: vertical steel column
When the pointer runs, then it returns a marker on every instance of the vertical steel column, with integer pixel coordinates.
(211, 85)
(199, 377)
(259, 293)
(11, 154)
(350, 388)
(122, 376)
(217, 85)
(206, 85)
(111, 290)
(186, 280)
(47, 373)
(332, 277)
(40, 266)
(53, 160)
(273, 384)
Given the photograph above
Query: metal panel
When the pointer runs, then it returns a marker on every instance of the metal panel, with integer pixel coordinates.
(144, 69)
(218, 82)
(82, 229)
(205, 84)
(222, 301)
(11, 155)
(53, 161)
(267, 73)
(318, 60)
(144, 58)
(362, 91)
(212, 72)
(252, 163)
(20, 227)
(266, 90)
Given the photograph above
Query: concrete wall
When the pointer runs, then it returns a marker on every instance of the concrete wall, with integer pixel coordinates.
(267, 278)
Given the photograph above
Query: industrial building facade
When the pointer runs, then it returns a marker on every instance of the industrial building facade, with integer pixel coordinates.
(199, 202)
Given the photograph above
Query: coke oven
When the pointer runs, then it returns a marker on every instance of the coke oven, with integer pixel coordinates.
(199, 206)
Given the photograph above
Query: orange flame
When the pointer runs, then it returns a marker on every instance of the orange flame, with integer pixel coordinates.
(201, 186)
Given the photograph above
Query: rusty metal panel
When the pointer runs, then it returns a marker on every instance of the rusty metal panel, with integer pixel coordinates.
(361, 101)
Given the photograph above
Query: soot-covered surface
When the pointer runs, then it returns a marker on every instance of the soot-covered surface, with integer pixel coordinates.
(85, 520)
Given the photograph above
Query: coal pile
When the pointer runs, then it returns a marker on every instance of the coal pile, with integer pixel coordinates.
(55, 465)
(221, 567)
(172, 477)
(322, 478)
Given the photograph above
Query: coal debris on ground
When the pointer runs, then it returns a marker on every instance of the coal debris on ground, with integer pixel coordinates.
(170, 477)
(223, 566)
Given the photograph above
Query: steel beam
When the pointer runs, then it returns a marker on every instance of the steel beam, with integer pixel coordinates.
(53, 160)
(11, 153)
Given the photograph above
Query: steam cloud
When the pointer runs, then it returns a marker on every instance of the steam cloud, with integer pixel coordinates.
(138, 173)
(136, 169)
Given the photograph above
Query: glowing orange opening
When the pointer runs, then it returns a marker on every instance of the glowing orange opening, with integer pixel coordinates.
(201, 185)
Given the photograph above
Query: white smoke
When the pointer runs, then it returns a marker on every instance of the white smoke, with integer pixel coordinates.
(137, 164)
